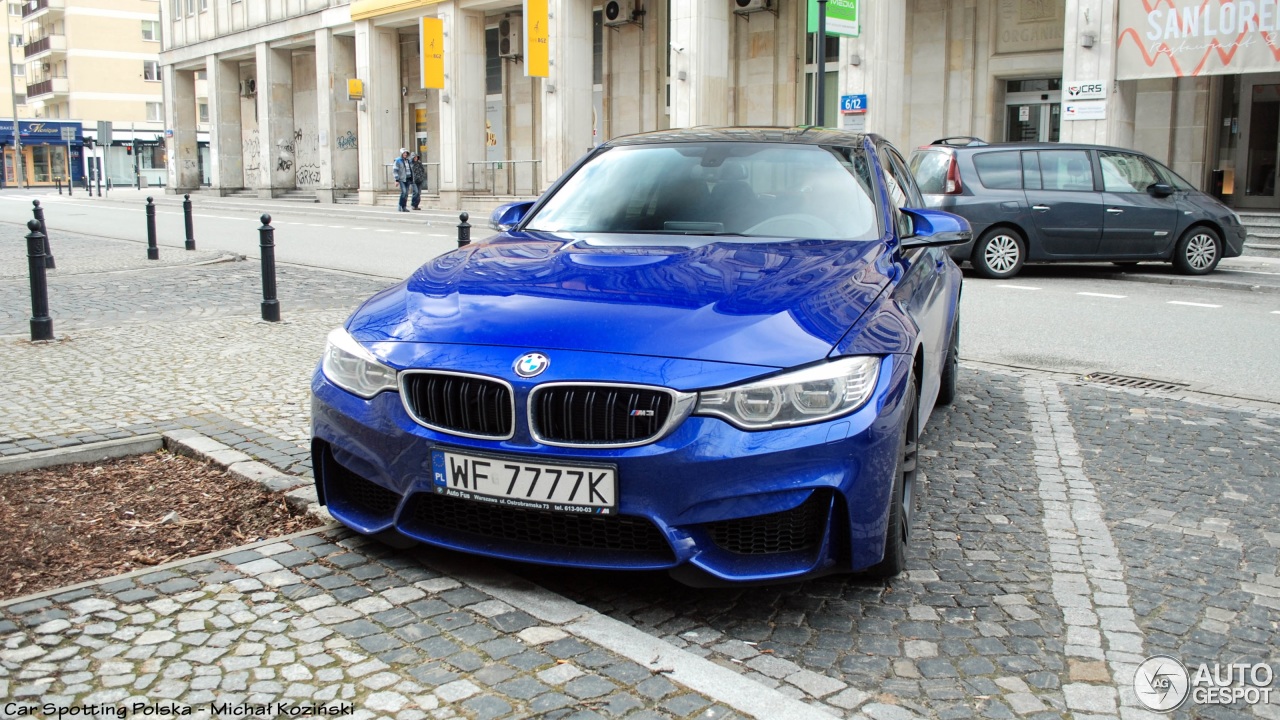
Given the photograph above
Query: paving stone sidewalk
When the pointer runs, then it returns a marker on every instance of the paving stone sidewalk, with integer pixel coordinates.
(1065, 532)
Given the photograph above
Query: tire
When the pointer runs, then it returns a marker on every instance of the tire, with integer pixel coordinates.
(1198, 252)
(951, 366)
(900, 503)
(999, 254)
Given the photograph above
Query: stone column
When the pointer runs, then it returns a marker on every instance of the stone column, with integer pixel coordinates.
(377, 58)
(180, 116)
(1096, 64)
(461, 101)
(566, 96)
(699, 63)
(275, 120)
(226, 135)
(882, 72)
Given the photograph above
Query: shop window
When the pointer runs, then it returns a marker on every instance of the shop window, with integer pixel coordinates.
(151, 157)
(151, 70)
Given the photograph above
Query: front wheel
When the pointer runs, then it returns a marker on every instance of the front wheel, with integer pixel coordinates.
(903, 493)
(999, 254)
(1198, 252)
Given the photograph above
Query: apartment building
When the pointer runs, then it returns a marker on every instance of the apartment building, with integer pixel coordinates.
(1193, 83)
(85, 61)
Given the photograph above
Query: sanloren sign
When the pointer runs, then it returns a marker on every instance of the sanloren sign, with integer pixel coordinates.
(1188, 38)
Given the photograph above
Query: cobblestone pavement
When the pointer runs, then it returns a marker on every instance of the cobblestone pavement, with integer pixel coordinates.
(1066, 532)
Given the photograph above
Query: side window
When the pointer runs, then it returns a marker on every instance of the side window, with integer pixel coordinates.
(999, 170)
(901, 187)
(1066, 170)
(908, 181)
(1125, 173)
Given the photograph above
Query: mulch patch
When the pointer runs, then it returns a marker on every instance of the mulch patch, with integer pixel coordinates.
(67, 524)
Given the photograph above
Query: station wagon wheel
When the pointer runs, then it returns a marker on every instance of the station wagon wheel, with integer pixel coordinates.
(999, 254)
(903, 494)
(1198, 252)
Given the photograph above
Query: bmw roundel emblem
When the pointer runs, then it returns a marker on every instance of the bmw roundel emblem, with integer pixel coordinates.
(532, 365)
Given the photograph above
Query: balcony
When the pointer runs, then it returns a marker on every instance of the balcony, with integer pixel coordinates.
(33, 9)
(47, 45)
(46, 90)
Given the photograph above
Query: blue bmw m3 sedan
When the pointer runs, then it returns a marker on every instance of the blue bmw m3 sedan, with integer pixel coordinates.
(707, 351)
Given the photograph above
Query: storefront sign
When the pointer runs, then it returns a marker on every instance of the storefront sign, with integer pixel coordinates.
(41, 132)
(1087, 110)
(432, 38)
(537, 62)
(1029, 25)
(842, 17)
(1086, 91)
(1187, 38)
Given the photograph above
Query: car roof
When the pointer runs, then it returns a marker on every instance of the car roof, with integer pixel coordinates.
(793, 135)
(1025, 146)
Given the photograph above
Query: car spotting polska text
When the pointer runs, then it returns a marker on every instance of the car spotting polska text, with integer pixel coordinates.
(53, 710)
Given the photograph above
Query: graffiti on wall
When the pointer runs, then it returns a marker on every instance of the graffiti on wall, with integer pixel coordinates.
(252, 160)
(348, 142)
(306, 142)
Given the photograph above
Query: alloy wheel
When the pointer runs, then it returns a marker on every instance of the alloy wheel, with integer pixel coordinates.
(1001, 254)
(1201, 251)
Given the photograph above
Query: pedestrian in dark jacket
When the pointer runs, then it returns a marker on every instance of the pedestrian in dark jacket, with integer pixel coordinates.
(403, 173)
(419, 179)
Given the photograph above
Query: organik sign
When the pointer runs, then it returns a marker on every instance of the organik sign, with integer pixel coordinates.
(842, 17)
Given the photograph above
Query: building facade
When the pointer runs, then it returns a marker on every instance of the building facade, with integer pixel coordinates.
(84, 61)
(272, 78)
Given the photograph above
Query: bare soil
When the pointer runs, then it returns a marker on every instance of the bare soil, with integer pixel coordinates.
(71, 523)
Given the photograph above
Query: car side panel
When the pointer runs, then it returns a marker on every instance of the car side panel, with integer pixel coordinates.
(1137, 225)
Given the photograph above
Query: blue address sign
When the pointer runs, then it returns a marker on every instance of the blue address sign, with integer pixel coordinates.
(853, 103)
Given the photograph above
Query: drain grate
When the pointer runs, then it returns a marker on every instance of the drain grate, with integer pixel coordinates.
(1133, 382)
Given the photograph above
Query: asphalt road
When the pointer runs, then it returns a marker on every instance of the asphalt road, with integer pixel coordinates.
(1082, 318)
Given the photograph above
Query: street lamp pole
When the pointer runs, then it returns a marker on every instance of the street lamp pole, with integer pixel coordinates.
(13, 97)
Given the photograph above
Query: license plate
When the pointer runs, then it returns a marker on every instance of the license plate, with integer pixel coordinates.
(519, 483)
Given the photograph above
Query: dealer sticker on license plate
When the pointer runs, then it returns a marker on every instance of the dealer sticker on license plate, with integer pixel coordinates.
(518, 483)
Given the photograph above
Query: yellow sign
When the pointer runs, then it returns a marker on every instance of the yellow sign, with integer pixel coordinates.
(537, 51)
(355, 89)
(431, 38)
(365, 9)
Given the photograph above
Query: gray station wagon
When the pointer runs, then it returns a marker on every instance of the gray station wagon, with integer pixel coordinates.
(1054, 202)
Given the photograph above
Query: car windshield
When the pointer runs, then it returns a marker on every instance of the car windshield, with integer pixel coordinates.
(718, 188)
(930, 168)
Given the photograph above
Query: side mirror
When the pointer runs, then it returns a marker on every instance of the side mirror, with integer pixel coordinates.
(507, 216)
(1160, 190)
(935, 228)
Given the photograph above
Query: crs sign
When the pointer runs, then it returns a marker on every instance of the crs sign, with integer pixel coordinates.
(1087, 91)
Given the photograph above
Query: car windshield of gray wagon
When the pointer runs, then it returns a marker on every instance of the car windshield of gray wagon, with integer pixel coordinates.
(765, 190)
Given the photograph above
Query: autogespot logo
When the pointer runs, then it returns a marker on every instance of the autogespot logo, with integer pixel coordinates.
(531, 365)
(1161, 683)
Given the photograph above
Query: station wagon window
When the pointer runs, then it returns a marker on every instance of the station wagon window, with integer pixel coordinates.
(1174, 179)
(930, 168)
(1066, 170)
(1031, 171)
(1125, 173)
(999, 170)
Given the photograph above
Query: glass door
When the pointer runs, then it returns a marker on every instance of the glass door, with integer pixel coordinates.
(1033, 110)
(1260, 142)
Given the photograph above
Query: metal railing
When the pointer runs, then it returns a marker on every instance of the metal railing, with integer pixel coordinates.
(37, 46)
(30, 7)
(504, 177)
(433, 178)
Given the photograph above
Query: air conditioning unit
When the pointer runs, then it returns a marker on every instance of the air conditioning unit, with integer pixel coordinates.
(619, 12)
(509, 38)
(743, 7)
(248, 88)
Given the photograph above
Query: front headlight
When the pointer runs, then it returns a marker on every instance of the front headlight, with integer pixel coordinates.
(349, 366)
(806, 396)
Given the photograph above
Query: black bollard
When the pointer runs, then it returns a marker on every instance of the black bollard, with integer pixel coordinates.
(38, 212)
(464, 230)
(153, 252)
(57, 181)
(267, 243)
(41, 323)
(191, 233)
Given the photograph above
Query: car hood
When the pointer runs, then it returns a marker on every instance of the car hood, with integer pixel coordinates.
(774, 303)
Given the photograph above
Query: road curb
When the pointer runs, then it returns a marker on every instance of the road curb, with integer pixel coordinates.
(87, 453)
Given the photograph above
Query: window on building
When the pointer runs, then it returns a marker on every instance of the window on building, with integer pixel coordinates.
(155, 112)
(597, 47)
(831, 95)
(151, 30)
(204, 112)
(204, 5)
(15, 39)
(19, 70)
(151, 70)
(15, 9)
(20, 98)
(201, 75)
(191, 7)
(492, 63)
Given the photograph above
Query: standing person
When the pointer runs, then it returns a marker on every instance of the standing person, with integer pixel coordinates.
(403, 173)
(419, 179)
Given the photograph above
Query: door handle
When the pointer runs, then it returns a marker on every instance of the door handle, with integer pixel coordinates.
(1115, 211)
(1039, 208)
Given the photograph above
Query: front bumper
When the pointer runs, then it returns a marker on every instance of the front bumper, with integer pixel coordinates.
(1233, 239)
(708, 498)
